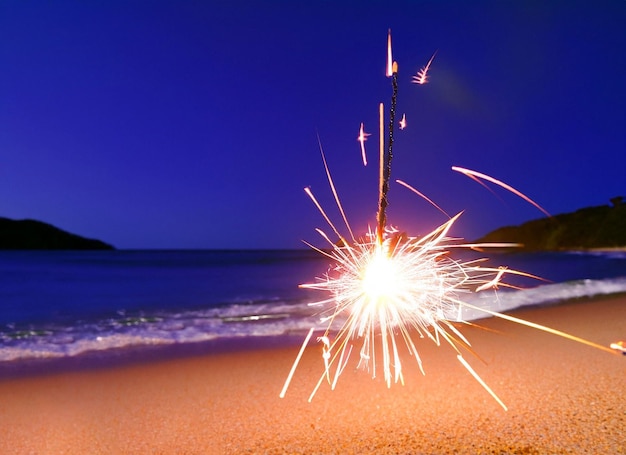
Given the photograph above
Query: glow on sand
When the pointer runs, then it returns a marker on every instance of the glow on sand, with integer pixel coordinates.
(386, 290)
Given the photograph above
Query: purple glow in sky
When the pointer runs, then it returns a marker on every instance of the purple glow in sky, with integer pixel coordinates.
(191, 124)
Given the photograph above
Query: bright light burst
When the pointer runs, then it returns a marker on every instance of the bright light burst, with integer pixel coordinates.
(392, 291)
(388, 289)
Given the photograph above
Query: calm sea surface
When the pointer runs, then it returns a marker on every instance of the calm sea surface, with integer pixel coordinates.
(61, 304)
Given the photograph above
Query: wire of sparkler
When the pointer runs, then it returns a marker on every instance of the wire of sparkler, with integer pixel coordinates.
(382, 201)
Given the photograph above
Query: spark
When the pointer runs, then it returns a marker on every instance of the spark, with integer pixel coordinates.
(477, 175)
(362, 138)
(492, 284)
(403, 122)
(295, 364)
(422, 75)
(480, 381)
(406, 185)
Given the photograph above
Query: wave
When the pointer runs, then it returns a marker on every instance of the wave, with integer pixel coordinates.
(240, 320)
(546, 294)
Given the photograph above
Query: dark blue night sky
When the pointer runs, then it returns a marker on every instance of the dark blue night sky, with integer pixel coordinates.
(193, 124)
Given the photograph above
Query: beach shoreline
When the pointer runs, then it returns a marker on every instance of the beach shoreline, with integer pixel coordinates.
(563, 397)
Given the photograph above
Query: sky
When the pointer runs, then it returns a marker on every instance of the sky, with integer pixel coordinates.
(195, 124)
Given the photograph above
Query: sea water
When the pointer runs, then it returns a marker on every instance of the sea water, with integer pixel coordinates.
(62, 304)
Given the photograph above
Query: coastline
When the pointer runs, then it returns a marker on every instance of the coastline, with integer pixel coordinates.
(614, 249)
(562, 397)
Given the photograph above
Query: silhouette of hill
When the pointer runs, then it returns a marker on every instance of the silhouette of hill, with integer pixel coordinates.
(592, 227)
(36, 235)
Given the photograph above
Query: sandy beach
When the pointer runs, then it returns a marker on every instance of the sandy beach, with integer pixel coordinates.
(563, 397)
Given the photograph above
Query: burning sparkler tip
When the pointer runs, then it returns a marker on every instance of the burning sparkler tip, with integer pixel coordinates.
(389, 71)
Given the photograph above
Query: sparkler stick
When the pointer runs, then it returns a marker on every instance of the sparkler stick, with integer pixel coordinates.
(406, 185)
(382, 198)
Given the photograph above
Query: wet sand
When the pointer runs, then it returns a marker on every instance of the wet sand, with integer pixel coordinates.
(562, 397)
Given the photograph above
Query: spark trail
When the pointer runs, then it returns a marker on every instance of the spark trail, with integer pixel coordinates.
(362, 137)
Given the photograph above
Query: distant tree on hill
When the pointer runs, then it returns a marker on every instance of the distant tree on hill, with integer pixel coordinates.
(591, 227)
(617, 200)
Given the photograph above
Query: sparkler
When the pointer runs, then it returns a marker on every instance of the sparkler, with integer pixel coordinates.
(392, 288)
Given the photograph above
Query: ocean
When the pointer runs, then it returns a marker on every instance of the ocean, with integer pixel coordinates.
(63, 304)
